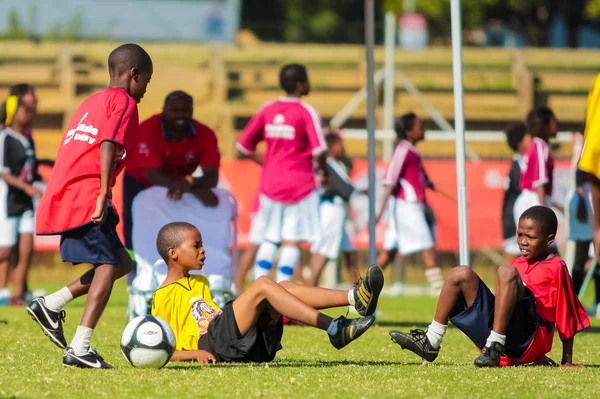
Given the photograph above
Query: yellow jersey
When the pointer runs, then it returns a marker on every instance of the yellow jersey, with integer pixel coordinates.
(590, 157)
(188, 308)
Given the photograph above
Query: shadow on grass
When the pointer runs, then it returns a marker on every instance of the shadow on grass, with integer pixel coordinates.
(291, 363)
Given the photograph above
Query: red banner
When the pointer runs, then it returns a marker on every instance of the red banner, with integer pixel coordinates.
(485, 188)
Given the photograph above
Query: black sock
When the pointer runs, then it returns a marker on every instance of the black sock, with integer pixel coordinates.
(597, 283)
(577, 278)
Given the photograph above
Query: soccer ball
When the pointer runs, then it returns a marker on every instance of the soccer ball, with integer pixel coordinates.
(148, 342)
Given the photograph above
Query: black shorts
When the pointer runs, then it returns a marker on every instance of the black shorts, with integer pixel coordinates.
(96, 244)
(476, 322)
(224, 341)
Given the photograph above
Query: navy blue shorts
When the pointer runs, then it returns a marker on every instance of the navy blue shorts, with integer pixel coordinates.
(476, 322)
(96, 244)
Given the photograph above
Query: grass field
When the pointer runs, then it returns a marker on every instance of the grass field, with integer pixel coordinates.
(307, 367)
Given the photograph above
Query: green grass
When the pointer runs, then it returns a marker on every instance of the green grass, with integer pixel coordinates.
(307, 367)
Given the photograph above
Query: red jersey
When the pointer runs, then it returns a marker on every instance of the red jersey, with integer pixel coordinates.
(155, 149)
(292, 131)
(556, 303)
(537, 167)
(406, 174)
(74, 186)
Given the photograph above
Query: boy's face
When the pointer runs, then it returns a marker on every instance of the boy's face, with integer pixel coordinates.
(533, 243)
(139, 83)
(525, 143)
(418, 131)
(190, 253)
(553, 128)
(336, 150)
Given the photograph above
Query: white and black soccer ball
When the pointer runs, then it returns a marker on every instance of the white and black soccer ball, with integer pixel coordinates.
(148, 342)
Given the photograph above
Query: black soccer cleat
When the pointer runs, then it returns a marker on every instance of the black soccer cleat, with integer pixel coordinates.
(91, 360)
(367, 291)
(350, 329)
(416, 342)
(490, 355)
(49, 321)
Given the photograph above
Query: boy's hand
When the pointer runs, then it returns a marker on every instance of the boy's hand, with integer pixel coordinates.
(203, 357)
(206, 196)
(33, 192)
(99, 214)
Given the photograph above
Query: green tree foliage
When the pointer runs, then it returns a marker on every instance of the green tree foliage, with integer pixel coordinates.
(15, 28)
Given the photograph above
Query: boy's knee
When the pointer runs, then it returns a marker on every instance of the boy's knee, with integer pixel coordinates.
(460, 274)
(264, 281)
(508, 274)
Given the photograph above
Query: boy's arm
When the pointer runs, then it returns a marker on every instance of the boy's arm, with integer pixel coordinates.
(199, 356)
(386, 196)
(20, 184)
(107, 159)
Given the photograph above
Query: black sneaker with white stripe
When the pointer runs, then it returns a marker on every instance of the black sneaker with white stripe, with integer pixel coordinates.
(417, 342)
(366, 293)
(349, 329)
(49, 321)
(91, 360)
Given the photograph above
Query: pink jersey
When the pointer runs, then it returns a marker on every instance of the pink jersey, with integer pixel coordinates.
(406, 174)
(537, 167)
(292, 131)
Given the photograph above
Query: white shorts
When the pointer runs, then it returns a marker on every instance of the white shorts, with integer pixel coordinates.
(257, 229)
(297, 222)
(334, 233)
(408, 230)
(511, 246)
(13, 226)
(526, 200)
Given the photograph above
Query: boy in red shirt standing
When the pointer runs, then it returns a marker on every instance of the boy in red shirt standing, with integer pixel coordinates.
(534, 296)
(77, 202)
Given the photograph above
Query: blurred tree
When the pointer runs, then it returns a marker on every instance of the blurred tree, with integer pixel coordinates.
(15, 29)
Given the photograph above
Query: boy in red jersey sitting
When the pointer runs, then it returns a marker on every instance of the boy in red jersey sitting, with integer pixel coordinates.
(534, 296)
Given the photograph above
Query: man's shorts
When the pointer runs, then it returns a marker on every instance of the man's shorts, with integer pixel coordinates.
(297, 222)
(334, 232)
(11, 227)
(476, 322)
(96, 244)
(408, 229)
(224, 341)
(257, 229)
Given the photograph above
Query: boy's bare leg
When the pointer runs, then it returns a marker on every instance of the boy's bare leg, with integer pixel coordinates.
(509, 289)
(246, 262)
(316, 297)
(317, 263)
(386, 257)
(351, 259)
(248, 306)
(462, 282)
(4, 266)
(98, 294)
(19, 276)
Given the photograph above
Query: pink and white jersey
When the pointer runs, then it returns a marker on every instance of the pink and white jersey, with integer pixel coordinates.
(292, 131)
(537, 167)
(406, 174)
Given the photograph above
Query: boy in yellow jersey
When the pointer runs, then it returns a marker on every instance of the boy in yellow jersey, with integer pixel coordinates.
(248, 329)
(590, 157)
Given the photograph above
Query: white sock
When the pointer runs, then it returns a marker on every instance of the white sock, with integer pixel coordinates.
(81, 340)
(351, 301)
(264, 259)
(58, 300)
(435, 333)
(434, 277)
(495, 337)
(288, 259)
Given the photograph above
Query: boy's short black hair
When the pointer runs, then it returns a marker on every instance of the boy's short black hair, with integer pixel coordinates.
(128, 56)
(514, 135)
(170, 236)
(543, 216)
(20, 89)
(290, 75)
(538, 120)
(332, 138)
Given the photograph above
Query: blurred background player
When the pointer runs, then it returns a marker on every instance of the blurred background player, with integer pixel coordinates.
(170, 147)
(17, 169)
(289, 200)
(518, 140)
(77, 202)
(337, 189)
(255, 237)
(408, 228)
(537, 165)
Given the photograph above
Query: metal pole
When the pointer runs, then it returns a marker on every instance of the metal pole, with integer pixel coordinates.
(369, 47)
(459, 128)
(389, 83)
